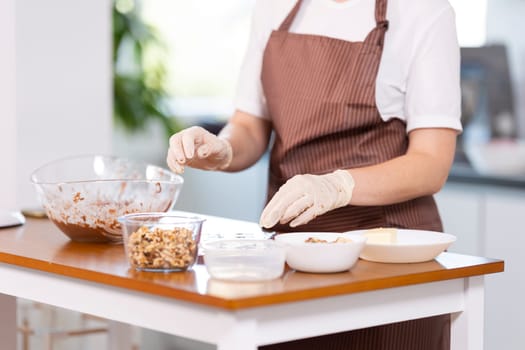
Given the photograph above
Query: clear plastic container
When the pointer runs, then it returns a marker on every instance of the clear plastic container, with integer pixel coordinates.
(244, 259)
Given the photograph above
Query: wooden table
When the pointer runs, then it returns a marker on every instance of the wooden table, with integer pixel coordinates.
(38, 262)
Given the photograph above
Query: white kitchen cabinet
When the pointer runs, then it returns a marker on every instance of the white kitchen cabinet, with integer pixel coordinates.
(488, 221)
(505, 309)
(462, 210)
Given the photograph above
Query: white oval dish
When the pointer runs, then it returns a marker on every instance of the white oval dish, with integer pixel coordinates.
(321, 257)
(411, 246)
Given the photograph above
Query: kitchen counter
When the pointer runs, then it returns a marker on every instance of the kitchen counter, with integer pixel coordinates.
(464, 173)
(37, 262)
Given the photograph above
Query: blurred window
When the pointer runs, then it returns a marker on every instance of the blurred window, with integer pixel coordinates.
(206, 41)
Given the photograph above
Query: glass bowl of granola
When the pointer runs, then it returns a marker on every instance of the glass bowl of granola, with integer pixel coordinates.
(161, 241)
(84, 195)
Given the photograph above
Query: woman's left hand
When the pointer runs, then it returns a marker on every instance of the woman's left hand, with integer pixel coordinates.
(304, 197)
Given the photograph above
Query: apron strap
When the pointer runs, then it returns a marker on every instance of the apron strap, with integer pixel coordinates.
(287, 23)
(377, 34)
(380, 11)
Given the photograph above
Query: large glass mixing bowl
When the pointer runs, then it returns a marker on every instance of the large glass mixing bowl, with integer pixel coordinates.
(85, 195)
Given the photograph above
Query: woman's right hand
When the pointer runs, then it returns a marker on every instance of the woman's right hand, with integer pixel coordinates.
(198, 148)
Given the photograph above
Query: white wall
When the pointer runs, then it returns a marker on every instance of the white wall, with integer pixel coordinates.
(63, 84)
(7, 105)
(55, 92)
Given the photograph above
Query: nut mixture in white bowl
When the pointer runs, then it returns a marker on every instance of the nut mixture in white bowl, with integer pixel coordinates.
(321, 252)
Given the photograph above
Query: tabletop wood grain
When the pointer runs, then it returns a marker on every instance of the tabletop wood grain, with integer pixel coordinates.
(39, 245)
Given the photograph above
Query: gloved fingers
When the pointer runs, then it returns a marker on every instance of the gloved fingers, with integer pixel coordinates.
(176, 158)
(274, 210)
(305, 217)
(211, 147)
(304, 197)
(183, 143)
(270, 215)
(174, 166)
(199, 148)
(296, 208)
(290, 192)
(203, 151)
(189, 142)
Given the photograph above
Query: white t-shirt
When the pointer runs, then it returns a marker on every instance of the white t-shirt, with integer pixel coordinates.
(418, 79)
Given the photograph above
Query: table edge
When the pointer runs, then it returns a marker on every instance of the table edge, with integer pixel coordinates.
(491, 267)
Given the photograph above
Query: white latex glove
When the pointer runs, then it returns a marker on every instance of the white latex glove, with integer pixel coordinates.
(198, 148)
(304, 197)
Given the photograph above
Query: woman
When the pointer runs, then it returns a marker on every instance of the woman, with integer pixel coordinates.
(363, 100)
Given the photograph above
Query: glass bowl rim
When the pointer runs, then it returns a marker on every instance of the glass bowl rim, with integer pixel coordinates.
(137, 218)
(179, 181)
(176, 178)
(211, 245)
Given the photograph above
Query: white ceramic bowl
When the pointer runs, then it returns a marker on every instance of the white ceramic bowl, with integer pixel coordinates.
(321, 257)
(244, 259)
(497, 158)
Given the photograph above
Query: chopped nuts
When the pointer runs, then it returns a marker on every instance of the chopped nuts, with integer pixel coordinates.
(77, 197)
(162, 249)
(315, 240)
(318, 240)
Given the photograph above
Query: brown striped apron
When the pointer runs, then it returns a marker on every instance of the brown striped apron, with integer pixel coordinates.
(320, 93)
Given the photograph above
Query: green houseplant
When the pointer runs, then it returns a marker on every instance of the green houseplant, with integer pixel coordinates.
(139, 72)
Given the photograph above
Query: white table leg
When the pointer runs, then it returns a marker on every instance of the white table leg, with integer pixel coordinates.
(120, 336)
(8, 329)
(241, 337)
(467, 325)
